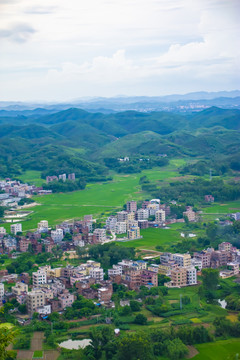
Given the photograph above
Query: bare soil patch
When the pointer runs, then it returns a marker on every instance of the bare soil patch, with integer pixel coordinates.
(192, 352)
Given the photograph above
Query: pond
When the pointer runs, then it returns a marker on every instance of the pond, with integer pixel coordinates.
(75, 344)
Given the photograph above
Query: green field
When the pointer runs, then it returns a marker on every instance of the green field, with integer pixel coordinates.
(32, 177)
(153, 237)
(96, 199)
(220, 350)
(225, 208)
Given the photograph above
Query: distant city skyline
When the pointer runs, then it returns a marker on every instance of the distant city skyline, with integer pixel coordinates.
(60, 51)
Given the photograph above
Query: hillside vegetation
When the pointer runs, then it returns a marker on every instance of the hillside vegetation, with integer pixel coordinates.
(75, 140)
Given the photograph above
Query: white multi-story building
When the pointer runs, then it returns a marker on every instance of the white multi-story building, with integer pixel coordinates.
(111, 222)
(142, 214)
(39, 278)
(15, 228)
(97, 274)
(43, 226)
(1, 291)
(57, 235)
(197, 263)
(120, 227)
(116, 270)
(62, 177)
(160, 216)
(191, 275)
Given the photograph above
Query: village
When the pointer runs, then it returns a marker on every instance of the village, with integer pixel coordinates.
(48, 289)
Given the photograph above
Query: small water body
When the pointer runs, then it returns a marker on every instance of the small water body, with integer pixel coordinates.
(222, 303)
(75, 344)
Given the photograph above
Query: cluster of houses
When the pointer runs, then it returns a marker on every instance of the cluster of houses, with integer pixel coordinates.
(49, 289)
(12, 191)
(62, 177)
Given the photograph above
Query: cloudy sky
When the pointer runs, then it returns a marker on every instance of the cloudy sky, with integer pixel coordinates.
(67, 49)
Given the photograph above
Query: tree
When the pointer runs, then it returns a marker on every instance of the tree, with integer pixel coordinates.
(100, 339)
(210, 279)
(175, 349)
(134, 305)
(135, 346)
(6, 337)
(22, 308)
(140, 319)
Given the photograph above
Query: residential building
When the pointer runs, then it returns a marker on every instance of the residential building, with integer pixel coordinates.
(15, 228)
(43, 226)
(122, 216)
(142, 224)
(51, 178)
(149, 278)
(111, 222)
(183, 260)
(133, 233)
(203, 256)
(209, 198)
(225, 246)
(19, 288)
(66, 299)
(39, 278)
(57, 235)
(23, 244)
(2, 230)
(105, 294)
(234, 267)
(35, 299)
(178, 278)
(142, 214)
(100, 235)
(1, 292)
(116, 270)
(62, 177)
(120, 227)
(191, 275)
(71, 177)
(97, 274)
(160, 216)
(190, 214)
(235, 216)
(131, 206)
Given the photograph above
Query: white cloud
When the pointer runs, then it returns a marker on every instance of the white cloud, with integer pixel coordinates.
(101, 47)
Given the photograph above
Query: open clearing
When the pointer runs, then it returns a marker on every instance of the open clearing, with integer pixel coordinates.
(220, 350)
(153, 237)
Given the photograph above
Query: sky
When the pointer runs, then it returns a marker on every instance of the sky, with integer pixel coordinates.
(58, 50)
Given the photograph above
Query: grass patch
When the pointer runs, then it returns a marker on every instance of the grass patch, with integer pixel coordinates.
(220, 350)
(225, 208)
(38, 354)
(32, 177)
(153, 237)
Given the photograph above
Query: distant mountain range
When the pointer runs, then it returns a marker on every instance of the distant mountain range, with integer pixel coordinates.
(191, 102)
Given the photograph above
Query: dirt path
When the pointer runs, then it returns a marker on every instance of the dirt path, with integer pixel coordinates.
(37, 340)
(24, 354)
(51, 355)
(192, 352)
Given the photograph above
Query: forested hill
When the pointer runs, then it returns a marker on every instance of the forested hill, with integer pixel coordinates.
(80, 141)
